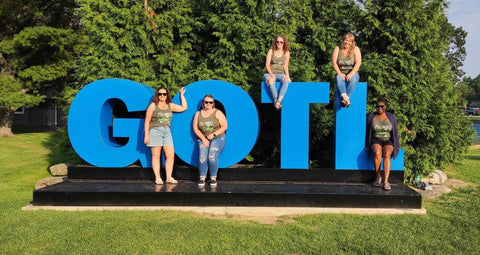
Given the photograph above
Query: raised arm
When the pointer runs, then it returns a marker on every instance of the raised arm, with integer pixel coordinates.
(183, 106)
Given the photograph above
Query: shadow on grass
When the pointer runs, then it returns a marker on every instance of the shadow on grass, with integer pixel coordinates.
(30, 129)
(473, 157)
(62, 151)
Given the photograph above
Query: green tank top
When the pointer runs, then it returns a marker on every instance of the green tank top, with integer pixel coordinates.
(345, 63)
(209, 124)
(161, 118)
(381, 129)
(276, 63)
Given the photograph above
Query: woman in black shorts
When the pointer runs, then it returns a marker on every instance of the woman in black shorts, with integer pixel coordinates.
(382, 141)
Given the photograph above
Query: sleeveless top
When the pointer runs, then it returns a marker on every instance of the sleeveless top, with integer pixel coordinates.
(209, 124)
(345, 63)
(381, 129)
(276, 63)
(161, 118)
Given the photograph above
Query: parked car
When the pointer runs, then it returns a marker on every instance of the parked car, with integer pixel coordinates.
(473, 111)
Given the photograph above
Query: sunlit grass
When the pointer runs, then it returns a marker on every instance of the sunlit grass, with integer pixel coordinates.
(451, 226)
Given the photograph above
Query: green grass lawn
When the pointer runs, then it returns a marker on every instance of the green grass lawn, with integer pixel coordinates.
(451, 226)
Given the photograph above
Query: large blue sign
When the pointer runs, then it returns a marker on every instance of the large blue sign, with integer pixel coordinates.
(93, 128)
(242, 118)
(294, 136)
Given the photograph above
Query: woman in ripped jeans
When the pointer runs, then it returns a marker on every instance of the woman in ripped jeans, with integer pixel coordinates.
(209, 124)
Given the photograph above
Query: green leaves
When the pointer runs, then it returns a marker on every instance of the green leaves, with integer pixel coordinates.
(12, 96)
(411, 54)
(405, 60)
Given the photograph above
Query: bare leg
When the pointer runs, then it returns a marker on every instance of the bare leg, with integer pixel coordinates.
(377, 158)
(156, 161)
(169, 158)
(387, 163)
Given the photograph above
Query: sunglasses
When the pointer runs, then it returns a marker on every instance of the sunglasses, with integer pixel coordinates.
(208, 102)
(380, 106)
(280, 42)
(162, 94)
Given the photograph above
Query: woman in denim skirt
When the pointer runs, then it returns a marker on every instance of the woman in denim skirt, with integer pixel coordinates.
(157, 131)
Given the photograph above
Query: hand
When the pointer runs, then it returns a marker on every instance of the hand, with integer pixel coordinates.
(287, 78)
(348, 77)
(343, 76)
(205, 142)
(210, 136)
(273, 77)
(182, 91)
(146, 139)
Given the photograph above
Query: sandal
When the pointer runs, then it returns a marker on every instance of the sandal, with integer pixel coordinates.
(386, 186)
(377, 182)
(159, 181)
(172, 181)
(347, 103)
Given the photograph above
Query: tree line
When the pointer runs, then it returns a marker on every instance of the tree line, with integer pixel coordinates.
(412, 55)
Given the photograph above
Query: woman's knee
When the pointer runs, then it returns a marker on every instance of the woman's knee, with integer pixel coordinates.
(387, 154)
(169, 154)
(270, 80)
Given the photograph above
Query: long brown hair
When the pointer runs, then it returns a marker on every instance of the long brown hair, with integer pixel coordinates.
(285, 43)
(155, 97)
(208, 96)
(350, 37)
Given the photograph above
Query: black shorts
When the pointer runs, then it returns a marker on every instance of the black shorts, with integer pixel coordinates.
(377, 141)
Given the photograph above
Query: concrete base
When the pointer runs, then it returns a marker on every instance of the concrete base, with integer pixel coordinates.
(241, 210)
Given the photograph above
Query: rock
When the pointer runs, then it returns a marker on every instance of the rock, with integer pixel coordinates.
(437, 177)
(59, 169)
(439, 190)
(49, 181)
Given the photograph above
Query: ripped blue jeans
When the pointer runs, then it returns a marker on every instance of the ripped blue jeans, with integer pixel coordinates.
(208, 156)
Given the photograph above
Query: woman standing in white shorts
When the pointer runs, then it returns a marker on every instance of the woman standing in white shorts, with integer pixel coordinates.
(157, 131)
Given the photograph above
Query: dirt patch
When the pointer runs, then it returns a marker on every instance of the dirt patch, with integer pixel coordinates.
(475, 147)
(441, 189)
(269, 220)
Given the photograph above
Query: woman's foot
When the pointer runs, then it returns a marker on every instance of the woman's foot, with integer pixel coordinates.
(345, 101)
(159, 181)
(377, 182)
(172, 181)
(213, 183)
(201, 184)
(386, 186)
(278, 105)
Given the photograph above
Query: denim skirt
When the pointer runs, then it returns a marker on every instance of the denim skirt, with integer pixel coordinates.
(160, 136)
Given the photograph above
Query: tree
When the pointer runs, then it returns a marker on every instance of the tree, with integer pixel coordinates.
(412, 54)
(471, 88)
(37, 53)
(148, 42)
(405, 59)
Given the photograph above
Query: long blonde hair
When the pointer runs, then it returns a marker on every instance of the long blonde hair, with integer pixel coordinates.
(350, 37)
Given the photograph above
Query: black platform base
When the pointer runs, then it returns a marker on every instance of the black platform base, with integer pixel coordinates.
(233, 174)
(227, 194)
(236, 187)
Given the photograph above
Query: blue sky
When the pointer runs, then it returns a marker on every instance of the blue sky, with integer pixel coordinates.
(466, 14)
